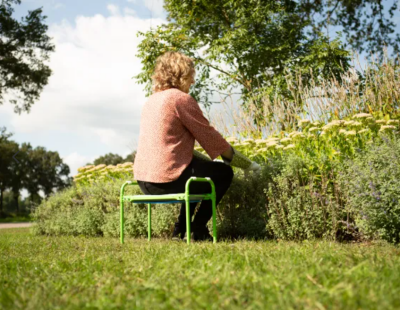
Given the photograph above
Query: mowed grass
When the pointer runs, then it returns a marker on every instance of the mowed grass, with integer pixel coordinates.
(99, 273)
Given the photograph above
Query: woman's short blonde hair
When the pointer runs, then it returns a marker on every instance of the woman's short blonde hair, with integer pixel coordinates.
(172, 70)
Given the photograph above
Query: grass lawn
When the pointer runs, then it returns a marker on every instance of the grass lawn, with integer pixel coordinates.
(99, 273)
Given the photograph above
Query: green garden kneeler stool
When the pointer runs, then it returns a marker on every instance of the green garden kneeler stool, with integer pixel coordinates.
(170, 198)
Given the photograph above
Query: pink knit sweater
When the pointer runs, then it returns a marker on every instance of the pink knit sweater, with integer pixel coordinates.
(171, 121)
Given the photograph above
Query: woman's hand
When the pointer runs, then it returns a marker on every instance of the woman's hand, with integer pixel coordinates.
(254, 167)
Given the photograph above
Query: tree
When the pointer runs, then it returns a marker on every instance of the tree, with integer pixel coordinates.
(45, 171)
(32, 169)
(130, 157)
(368, 25)
(18, 166)
(7, 150)
(113, 159)
(251, 44)
(24, 49)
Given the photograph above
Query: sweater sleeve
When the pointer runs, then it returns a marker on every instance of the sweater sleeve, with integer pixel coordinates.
(191, 116)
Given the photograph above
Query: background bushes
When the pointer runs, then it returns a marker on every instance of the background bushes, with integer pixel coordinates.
(93, 210)
(302, 205)
(372, 185)
(330, 170)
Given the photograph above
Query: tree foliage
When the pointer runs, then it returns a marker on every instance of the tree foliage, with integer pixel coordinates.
(33, 169)
(24, 50)
(113, 159)
(251, 44)
(368, 25)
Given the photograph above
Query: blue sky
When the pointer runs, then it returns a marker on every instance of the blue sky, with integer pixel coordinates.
(57, 10)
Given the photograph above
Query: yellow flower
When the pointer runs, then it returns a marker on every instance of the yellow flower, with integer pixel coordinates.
(260, 141)
(327, 127)
(350, 133)
(290, 146)
(348, 123)
(370, 119)
(127, 165)
(337, 122)
(286, 140)
(363, 130)
(90, 170)
(387, 128)
(231, 139)
(272, 144)
(83, 169)
(362, 115)
(332, 125)
(280, 147)
(393, 122)
(381, 121)
(343, 131)
(271, 139)
(312, 129)
(99, 167)
(245, 143)
(298, 135)
(303, 122)
(294, 133)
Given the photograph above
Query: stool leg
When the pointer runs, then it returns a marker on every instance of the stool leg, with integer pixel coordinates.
(149, 221)
(187, 202)
(122, 220)
(214, 218)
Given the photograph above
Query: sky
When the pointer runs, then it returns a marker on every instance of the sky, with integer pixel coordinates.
(91, 105)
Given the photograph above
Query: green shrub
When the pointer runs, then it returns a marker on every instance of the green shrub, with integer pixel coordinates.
(302, 205)
(243, 210)
(295, 197)
(372, 186)
(93, 210)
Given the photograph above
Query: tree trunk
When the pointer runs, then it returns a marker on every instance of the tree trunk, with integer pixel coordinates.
(1, 199)
(16, 195)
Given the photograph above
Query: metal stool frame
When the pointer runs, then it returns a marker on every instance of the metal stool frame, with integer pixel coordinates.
(170, 198)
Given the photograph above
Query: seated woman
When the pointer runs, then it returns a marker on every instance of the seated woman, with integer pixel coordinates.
(171, 121)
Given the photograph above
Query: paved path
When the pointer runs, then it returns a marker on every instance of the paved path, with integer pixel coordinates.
(14, 225)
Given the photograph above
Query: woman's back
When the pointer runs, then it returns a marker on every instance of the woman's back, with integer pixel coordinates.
(171, 120)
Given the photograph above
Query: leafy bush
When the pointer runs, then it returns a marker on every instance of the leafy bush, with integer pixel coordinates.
(372, 188)
(305, 206)
(93, 210)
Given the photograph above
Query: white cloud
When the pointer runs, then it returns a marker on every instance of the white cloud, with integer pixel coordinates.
(156, 7)
(75, 160)
(113, 9)
(91, 87)
(109, 136)
(131, 1)
(91, 92)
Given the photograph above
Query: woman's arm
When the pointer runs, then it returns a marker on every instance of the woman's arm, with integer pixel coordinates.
(228, 155)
